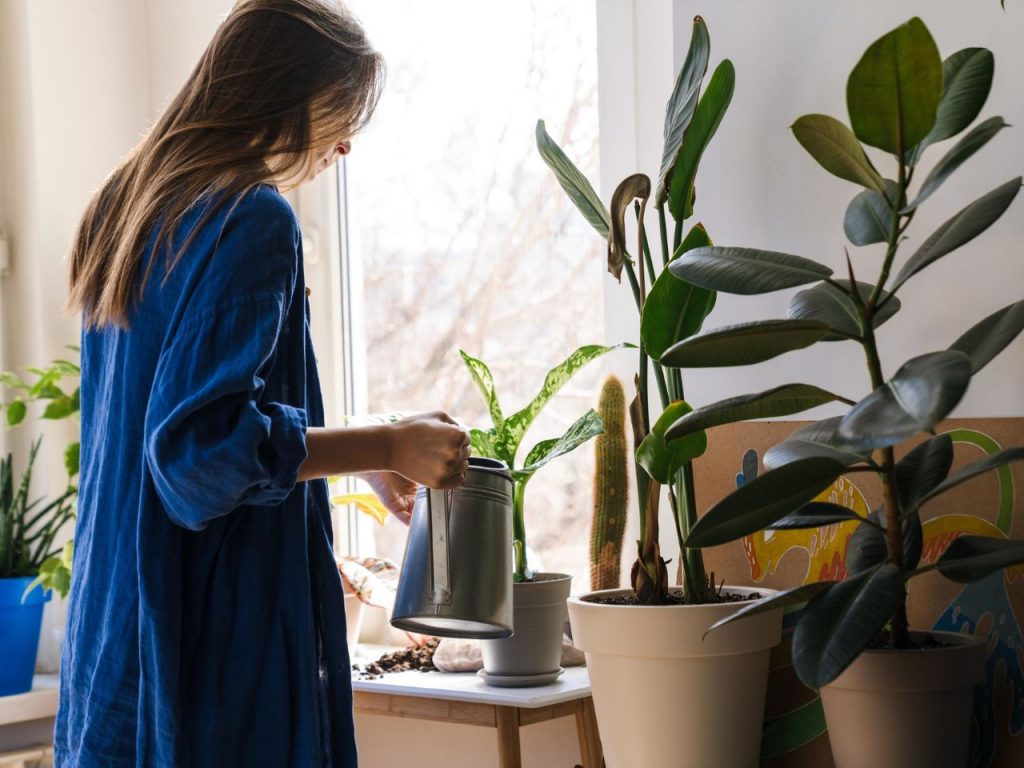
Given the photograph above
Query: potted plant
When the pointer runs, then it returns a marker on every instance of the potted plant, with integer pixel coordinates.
(533, 654)
(31, 565)
(892, 696)
(660, 689)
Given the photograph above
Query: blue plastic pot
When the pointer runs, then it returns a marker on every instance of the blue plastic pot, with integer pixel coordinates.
(19, 633)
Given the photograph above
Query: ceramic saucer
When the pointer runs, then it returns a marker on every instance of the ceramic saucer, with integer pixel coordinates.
(519, 681)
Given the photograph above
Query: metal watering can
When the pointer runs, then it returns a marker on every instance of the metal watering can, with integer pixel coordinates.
(456, 578)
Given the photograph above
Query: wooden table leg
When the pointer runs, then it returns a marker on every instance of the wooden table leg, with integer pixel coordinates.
(591, 753)
(509, 755)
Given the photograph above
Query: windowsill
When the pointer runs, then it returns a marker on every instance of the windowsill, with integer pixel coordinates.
(38, 704)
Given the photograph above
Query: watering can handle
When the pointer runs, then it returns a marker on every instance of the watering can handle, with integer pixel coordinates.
(438, 506)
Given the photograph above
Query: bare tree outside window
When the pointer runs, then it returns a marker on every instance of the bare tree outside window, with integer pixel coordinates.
(465, 241)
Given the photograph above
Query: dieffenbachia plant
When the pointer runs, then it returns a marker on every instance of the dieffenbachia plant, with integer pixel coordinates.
(902, 99)
(671, 310)
(502, 440)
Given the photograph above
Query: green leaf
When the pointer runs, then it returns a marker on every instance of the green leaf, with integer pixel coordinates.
(485, 383)
(957, 156)
(838, 625)
(836, 308)
(779, 401)
(894, 90)
(991, 336)
(585, 427)
(629, 189)
(745, 343)
(816, 514)
(794, 596)
(60, 408)
(837, 150)
(511, 435)
(13, 381)
(759, 503)
(481, 443)
(575, 184)
(16, 411)
(972, 470)
(967, 80)
(970, 558)
(922, 393)
(662, 456)
(869, 548)
(72, 458)
(921, 470)
(961, 229)
(819, 439)
(869, 215)
(708, 116)
(683, 103)
(746, 271)
(675, 309)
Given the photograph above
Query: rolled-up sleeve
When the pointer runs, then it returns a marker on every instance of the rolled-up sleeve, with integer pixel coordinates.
(212, 442)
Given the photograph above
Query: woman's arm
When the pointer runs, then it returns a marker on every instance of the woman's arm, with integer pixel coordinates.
(430, 449)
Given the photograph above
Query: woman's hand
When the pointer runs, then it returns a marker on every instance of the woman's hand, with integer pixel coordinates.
(430, 449)
(396, 493)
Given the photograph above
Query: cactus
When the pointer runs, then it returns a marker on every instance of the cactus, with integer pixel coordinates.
(611, 489)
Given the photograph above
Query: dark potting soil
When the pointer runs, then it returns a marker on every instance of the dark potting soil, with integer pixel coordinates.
(677, 598)
(883, 642)
(421, 658)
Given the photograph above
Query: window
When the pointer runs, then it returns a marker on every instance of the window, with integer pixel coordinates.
(459, 237)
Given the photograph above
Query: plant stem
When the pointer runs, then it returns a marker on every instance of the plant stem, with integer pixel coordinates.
(665, 254)
(519, 530)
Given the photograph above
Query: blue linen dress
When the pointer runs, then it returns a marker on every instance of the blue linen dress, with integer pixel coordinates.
(206, 623)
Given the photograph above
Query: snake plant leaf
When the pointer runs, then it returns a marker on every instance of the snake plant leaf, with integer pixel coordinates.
(585, 427)
(955, 157)
(663, 456)
(921, 393)
(966, 225)
(745, 343)
(820, 439)
(485, 383)
(868, 547)
(921, 470)
(632, 187)
(706, 119)
(893, 92)
(966, 82)
(482, 443)
(835, 307)
(964, 474)
(838, 624)
(991, 336)
(869, 215)
(510, 436)
(675, 309)
(837, 150)
(759, 503)
(580, 191)
(746, 271)
(683, 103)
(784, 599)
(779, 401)
(71, 458)
(16, 411)
(970, 558)
(816, 514)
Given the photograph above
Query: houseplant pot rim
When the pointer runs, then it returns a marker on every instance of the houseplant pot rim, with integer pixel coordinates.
(12, 590)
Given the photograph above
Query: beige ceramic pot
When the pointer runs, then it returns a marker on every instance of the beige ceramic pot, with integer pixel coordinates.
(665, 696)
(910, 709)
(353, 617)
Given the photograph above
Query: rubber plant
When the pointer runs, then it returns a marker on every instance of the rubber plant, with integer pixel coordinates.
(671, 310)
(902, 99)
(28, 527)
(503, 439)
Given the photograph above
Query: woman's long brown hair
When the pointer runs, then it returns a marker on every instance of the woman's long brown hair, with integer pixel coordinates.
(280, 81)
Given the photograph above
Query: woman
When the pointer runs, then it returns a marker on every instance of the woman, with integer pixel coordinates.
(206, 622)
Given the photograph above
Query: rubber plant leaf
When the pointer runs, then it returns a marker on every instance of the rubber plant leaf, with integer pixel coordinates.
(964, 474)
(746, 271)
(837, 150)
(814, 515)
(869, 215)
(745, 343)
(819, 439)
(922, 469)
(985, 340)
(971, 558)
(834, 306)
(784, 599)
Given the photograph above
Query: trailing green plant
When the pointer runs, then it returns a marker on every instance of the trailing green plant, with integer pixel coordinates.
(670, 309)
(502, 440)
(611, 488)
(27, 531)
(902, 98)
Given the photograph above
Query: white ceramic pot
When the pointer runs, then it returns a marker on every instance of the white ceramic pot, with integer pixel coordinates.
(665, 696)
(906, 708)
(353, 617)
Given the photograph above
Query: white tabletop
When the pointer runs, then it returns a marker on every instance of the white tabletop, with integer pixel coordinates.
(39, 703)
(467, 686)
